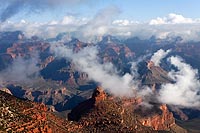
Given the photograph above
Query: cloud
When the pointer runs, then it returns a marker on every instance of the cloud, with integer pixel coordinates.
(173, 19)
(105, 23)
(167, 27)
(86, 60)
(83, 28)
(21, 70)
(50, 29)
(68, 20)
(185, 91)
(99, 25)
(158, 56)
(13, 7)
(105, 74)
(124, 22)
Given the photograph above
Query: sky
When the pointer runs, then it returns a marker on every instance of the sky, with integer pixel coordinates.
(91, 19)
(138, 10)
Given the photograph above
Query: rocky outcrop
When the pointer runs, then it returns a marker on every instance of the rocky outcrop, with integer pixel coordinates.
(154, 75)
(47, 61)
(162, 121)
(102, 110)
(19, 115)
(82, 108)
(103, 113)
(26, 48)
(99, 95)
(6, 90)
(22, 116)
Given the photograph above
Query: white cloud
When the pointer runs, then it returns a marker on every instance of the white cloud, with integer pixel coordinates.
(45, 30)
(104, 23)
(173, 19)
(23, 21)
(21, 70)
(158, 56)
(121, 22)
(124, 22)
(184, 92)
(71, 20)
(86, 60)
(99, 25)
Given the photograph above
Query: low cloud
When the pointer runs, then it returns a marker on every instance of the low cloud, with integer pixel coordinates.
(86, 60)
(21, 70)
(185, 91)
(158, 56)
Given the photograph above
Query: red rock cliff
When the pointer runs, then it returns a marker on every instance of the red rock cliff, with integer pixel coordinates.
(161, 121)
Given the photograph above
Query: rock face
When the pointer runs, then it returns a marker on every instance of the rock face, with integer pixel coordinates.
(6, 90)
(19, 115)
(97, 96)
(106, 113)
(162, 121)
(25, 48)
(154, 74)
(22, 116)
(50, 93)
(102, 113)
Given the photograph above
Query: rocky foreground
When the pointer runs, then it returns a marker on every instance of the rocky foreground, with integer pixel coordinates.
(100, 113)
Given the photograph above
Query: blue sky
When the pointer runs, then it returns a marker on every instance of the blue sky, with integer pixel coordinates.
(139, 10)
(148, 9)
